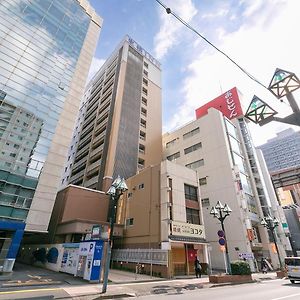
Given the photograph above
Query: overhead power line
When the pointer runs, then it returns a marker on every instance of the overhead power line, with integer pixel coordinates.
(169, 11)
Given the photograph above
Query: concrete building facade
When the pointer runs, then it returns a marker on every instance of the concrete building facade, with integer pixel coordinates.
(283, 151)
(46, 48)
(121, 129)
(162, 216)
(221, 152)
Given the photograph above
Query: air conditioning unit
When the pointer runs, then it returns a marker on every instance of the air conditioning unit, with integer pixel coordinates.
(169, 189)
(169, 204)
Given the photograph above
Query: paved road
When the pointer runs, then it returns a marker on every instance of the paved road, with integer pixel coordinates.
(265, 290)
(177, 289)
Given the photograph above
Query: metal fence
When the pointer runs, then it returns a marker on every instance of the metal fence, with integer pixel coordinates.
(147, 256)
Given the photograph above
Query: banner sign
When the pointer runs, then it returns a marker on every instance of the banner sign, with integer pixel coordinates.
(228, 104)
(188, 230)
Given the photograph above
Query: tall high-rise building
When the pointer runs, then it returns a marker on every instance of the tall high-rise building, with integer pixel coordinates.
(218, 146)
(283, 151)
(120, 123)
(46, 48)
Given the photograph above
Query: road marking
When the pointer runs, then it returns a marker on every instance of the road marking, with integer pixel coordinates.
(285, 297)
(30, 291)
(161, 281)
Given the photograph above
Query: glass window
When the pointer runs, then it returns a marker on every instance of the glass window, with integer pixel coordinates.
(235, 145)
(129, 222)
(55, 12)
(192, 148)
(173, 156)
(245, 184)
(191, 133)
(196, 164)
(171, 143)
(203, 181)
(238, 161)
(192, 216)
(190, 192)
(205, 202)
(230, 128)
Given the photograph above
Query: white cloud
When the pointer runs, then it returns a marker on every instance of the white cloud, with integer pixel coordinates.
(259, 45)
(220, 13)
(171, 28)
(95, 66)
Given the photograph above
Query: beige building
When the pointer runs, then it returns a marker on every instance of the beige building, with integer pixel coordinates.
(120, 124)
(163, 219)
(221, 153)
(73, 222)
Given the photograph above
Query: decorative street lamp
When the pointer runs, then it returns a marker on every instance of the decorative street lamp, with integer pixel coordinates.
(271, 224)
(221, 213)
(282, 84)
(117, 188)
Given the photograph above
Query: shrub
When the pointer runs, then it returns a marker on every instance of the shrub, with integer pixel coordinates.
(239, 267)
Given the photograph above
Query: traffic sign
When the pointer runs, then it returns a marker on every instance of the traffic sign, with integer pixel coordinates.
(222, 241)
(220, 233)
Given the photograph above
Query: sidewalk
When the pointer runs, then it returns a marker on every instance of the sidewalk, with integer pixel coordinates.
(160, 287)
(121, 283)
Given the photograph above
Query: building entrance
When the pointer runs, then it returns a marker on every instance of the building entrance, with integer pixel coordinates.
(5, 242)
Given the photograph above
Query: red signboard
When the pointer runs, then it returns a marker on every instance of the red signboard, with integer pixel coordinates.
(228, 104)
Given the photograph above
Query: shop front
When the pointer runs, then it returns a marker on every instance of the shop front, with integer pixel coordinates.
(187, 242)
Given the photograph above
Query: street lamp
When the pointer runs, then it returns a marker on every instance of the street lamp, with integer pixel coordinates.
(117, 188)
(221, 213)
(282, 84)
(271, 224)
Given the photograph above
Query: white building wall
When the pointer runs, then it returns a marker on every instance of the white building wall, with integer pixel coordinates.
(284, 243)
(221, 184)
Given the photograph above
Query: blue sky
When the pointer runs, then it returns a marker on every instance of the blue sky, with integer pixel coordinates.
(259, 34)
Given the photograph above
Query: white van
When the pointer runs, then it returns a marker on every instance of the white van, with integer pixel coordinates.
(293, 268)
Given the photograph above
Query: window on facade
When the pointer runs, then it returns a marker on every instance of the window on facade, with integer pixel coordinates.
(2, 95)
(142, 135)
(145, 81)
(192, 148)
(145, 72)
(190, 192)
(235, 145)
(141, 148)
(171, 143)
(230, 128)
(191, 133)
(144, 111)
(196, 164)
(238, 161)
(173, 156)
(141, 163)
(192, 216)
(205, 202)
(143, 123)
(141, 186)
(129, 195)
(146, 65)
(203, 181)
(145, 91)
(144, 101)
(129, 222)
